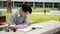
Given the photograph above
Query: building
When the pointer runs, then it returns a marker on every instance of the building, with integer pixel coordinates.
(45, 4)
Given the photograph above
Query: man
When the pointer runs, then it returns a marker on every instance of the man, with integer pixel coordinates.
(19, 18)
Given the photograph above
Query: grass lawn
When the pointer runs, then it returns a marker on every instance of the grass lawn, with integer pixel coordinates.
(37, 18)
(39, 10)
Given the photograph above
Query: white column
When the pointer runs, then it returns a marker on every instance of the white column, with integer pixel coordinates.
(33, 4)
(53, 5)
(13, 4)
(2, 3)
(23, 2)
(43, 5)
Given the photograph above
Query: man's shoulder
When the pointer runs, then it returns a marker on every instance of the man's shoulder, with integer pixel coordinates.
(14, 13)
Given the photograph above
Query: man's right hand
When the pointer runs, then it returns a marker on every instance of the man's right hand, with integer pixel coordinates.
(13, 23)
(25, 25)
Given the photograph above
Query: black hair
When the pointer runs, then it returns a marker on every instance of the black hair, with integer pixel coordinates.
(26, 8)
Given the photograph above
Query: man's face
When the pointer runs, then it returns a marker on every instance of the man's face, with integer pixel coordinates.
(24, 13)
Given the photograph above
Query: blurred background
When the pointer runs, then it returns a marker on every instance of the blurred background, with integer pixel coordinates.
(42, 10)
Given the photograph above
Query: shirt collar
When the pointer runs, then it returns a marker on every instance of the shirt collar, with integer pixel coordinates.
(18, 14)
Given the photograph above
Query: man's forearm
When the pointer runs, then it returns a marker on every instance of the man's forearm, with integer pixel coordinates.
(19, 26)
(9, 24)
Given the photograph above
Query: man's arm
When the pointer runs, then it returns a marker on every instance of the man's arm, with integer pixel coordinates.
(25, 22)
(24, 25)
(10, 21)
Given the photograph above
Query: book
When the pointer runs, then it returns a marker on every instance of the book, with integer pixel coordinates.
(30, 28)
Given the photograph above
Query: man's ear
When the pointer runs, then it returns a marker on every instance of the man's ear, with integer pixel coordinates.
(20, 10)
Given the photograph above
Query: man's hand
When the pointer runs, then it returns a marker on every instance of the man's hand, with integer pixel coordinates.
(13, 23)
(25, 25)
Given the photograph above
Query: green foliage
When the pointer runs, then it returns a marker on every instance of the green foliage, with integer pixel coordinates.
(6, 14)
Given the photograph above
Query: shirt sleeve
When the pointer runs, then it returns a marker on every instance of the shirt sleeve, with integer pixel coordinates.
(12, 17)
(19, 26)
(10, 20)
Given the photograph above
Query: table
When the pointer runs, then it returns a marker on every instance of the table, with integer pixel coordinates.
(50, 27)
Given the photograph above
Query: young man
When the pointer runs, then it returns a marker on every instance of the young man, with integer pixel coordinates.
(19, 18)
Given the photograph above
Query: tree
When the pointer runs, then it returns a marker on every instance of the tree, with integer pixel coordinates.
(9, 6)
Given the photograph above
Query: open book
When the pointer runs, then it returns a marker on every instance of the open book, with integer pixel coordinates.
(30, 27)
(25, 29)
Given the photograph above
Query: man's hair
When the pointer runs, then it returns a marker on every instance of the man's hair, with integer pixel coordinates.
(26, 8)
